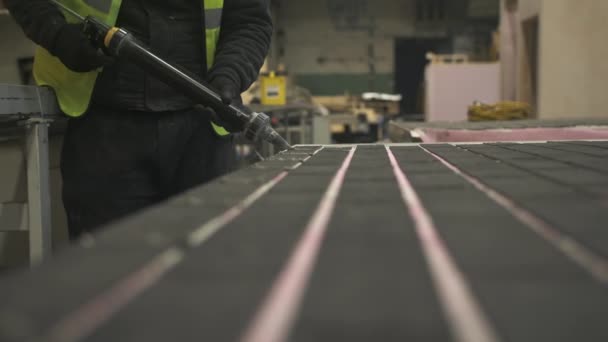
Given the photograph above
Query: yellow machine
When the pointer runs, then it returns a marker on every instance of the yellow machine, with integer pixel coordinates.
(273, 89)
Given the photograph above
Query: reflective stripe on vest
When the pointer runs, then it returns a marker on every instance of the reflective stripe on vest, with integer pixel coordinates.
(74, 90)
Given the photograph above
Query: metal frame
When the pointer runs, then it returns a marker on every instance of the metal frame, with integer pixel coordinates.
(33, 108)
(38, 189)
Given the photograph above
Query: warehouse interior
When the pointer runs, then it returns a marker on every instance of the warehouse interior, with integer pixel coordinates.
(443, 177)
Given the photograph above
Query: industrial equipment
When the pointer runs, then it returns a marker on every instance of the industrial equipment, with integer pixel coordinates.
(360, 119)
(273, 88)
(292, 110)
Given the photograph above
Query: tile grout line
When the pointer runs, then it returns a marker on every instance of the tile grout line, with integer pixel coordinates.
(538, 174)
(83, 321)
(537, 155)
(278, 311)
(596, 265)
(463, 313)
(552, 147)
(587, 144)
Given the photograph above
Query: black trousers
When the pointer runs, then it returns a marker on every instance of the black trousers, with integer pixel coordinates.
(115, 163)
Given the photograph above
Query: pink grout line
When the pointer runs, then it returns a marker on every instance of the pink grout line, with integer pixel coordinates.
(201, 234)
(86, 319)
(593, 263)
(463, 313)
(276, 315)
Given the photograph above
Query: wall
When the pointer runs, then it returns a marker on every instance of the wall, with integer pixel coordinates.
(328, 57)
(333, 46)
(573, 75)
(528, 12)
(529, 8)
(13, 45)
(509, 30)
(483, 8)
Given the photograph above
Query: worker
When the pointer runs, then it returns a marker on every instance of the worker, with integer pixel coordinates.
(131, 140)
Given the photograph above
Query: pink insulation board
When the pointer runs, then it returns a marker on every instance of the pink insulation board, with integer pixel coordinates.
(452, 88)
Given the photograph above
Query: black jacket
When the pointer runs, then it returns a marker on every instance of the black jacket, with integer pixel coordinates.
(244, 40)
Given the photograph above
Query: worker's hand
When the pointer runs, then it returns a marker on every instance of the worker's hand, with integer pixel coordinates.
(219, 118)
(226, 88)
(76, 51)
(228, 92)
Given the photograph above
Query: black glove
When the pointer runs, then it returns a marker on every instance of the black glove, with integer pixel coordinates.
(76, 51)
(221, 118)
(226, 88)
(229, 94)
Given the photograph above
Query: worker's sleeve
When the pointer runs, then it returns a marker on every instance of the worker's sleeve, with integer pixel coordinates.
(244, 41)
(40, 19)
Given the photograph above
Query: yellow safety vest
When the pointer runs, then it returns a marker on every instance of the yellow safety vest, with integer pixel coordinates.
(73, 89)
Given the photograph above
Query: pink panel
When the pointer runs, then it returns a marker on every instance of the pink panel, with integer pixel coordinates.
(429, 135)
(452, 88)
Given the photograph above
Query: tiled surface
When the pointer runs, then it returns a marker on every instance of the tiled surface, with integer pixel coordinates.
(371, 281)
